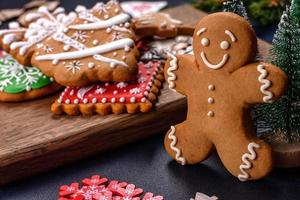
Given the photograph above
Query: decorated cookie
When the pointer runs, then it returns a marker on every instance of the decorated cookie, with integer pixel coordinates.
(19, 83)
(161, 24)
(77, 49)
(153, 48)
(118, 97)
(222, 81)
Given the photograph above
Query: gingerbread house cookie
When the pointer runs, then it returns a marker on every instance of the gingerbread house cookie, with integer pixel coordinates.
(77, 49)
(117, 98)
(222, 81)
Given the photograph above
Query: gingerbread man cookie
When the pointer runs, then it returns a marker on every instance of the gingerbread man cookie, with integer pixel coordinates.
(160, 24)
(77, 49)
(221, 82)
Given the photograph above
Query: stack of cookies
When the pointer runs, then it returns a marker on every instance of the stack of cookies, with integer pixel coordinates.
(93, 53)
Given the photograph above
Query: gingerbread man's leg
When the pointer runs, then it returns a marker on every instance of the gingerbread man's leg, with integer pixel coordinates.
(186, 145)
(245, 158)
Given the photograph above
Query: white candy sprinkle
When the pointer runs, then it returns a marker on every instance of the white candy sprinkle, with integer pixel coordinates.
(76, 101)
(143, 100)
(55, 62)
(91, 65)
(113, 100)
(113, 65)
(132, 99)
(94, 100)
(67, 48)
(95, 42)
(85, 101)
(67, 101)
(122, 99)
(115, 92)
(103, 100)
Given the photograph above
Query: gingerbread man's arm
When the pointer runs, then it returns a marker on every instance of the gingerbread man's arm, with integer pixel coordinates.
(259, 83)
(178, 71)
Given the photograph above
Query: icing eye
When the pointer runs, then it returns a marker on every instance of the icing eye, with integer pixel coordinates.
(224, 45)
(205, 42)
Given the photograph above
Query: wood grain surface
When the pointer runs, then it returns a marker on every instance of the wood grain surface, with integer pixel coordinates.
(32, 140)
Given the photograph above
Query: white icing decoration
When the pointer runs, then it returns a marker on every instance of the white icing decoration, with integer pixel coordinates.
(112, 62)
(13, 25)
(173, 138)
(216, 66)
(132, 99)
(224, 45)
(171, 75)
(119, 44)
(211, 87)
(100, 91)
(2, 32)
(94, 100)
(247, 158)
(103, 100)
(76, 101)
(210, 100)
(205, 42)
(113, 100)
(80, 35)
(231, 35)
(9, 38)
(74, 66)
(121, 18)
(135, 91)
(122, 99)
(85, 101)
(43, 28)
(91, 65)
(32, 16)
(82, 91)
(202, 30)
(265, 84)
(69, 42)
(210, 114)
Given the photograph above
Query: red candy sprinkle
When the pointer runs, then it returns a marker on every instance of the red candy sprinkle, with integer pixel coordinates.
(98, 188)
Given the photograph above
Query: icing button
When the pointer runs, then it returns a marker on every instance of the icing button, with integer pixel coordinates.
(210, 100)
(211, 87)
(210, 114)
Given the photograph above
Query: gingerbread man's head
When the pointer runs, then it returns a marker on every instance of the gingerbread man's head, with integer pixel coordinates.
(224, 41)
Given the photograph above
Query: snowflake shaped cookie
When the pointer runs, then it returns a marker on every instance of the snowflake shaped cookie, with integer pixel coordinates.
(77, 48)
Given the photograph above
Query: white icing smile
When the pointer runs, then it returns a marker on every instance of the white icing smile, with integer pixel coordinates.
(214, 66)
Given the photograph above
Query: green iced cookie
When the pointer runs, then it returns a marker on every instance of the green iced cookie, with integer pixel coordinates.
(15, 78)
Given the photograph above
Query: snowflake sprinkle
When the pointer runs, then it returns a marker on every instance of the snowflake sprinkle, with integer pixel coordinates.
(74, 66)
(80, 35)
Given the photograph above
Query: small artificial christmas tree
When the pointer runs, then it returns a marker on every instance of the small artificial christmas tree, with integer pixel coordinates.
(237, 7)
(282, 118)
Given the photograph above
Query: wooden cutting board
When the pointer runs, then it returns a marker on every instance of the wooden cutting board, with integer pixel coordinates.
(32, 140)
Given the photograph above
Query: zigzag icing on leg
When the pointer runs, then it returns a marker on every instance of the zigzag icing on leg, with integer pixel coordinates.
(247, 158)
(173, 138)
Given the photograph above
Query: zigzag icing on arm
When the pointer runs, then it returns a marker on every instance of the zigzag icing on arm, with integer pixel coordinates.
(265, 84)
(121, 18)
(173, 138)
(119, 44)
(171, 75)
(247, 158)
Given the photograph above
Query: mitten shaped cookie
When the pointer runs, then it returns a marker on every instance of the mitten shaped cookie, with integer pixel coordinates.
(79, 48)
(221, 82)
